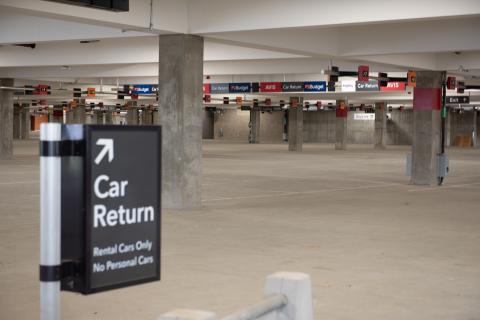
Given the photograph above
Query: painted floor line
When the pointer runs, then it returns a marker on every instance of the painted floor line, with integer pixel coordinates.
(444, 187)
(19, 182)
(286, 194)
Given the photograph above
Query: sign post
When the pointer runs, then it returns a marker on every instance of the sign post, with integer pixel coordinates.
(50, 188)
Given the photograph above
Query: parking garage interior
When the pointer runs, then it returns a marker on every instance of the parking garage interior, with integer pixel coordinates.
(333, 139)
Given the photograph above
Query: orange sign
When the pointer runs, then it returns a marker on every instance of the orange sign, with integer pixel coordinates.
(412, 79)
(90, 92)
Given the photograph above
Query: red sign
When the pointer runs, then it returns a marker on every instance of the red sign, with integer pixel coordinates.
(342, 110)
(42, 90)
(451, 83)
(270, 87)
(363, 73)
(394, 86)
(206, 88)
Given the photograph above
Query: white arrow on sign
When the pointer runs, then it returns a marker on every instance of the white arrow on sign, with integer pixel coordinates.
(107, 148)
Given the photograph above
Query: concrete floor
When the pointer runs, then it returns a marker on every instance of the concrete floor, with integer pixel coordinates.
(376, 247)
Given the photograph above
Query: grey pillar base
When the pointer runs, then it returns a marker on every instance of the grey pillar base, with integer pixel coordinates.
(108, 117)
(79, 115)
(426, 146)
(254, 124)
(475, 129)
(426, 133)
(180, 111)
(132, 116)
(25, 122)
(380, 135)
(6, 119)
(17, 122)
(340, 133)
(448, 128)
(295, 126)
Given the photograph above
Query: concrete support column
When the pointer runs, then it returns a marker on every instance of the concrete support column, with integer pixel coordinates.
(97, 117)
(254, 126)
(380, 135)
(180, 108)
(6, 119)
(156, 117)
(132, 116)
(448, 128)
(25, 121)
(427, 99)
(147, 116)
(69, 116)
(341, 125)
(475, 129)
(295, 124)
(108, 114)
(17, 121)
(79, 114)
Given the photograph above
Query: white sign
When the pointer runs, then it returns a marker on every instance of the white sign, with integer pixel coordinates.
(348, 85)
(364, 116)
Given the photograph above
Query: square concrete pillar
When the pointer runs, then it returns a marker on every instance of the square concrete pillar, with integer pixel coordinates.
(132, 116)
(25, 121)
(97, 117)
(475, 129)
(341, 125)
(427, 99)
(17, 121)
(6, 119)
(448, 128)
(180, 110)
(108, 116)
(295, 124)
(69, 116)
(254, 126)
(79, 114)
(380, 135)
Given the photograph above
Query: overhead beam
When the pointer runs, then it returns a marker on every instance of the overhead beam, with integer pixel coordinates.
(213, 16)
(24, 28)
(168, 16)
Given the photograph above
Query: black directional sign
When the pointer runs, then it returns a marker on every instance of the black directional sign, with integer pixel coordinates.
(367, 86)
(458, 99)
(292, 86)
(122, 240)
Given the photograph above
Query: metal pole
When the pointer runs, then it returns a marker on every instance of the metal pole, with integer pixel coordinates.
(267, 305)
(50, 257)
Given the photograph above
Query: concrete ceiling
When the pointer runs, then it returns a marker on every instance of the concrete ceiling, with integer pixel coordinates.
(247, 37)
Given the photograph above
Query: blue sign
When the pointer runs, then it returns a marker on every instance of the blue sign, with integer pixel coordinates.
(145, 88)
(219, 88)
(240, 87)
(315, 86)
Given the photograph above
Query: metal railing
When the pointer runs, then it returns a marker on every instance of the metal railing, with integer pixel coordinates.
(267, 305)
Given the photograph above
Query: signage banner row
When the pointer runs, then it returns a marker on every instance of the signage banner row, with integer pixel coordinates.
(145, 88)
(246, 87)
(309, 86)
